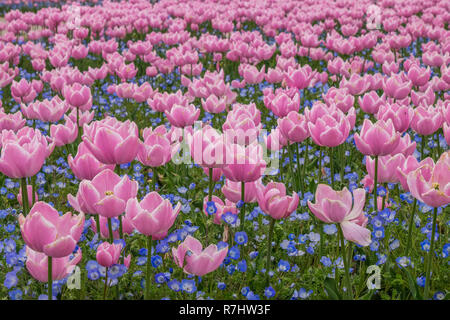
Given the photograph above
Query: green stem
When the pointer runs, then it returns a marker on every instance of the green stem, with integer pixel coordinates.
(50, 279)
(430, 258)
(97, 221)
(299, 176)
(291, 164)
(305, 163)
(149, 266)
(411, 221)
(111, 236)
(375, 185)
(242, 211)
(23, 182)
(211, 186)
(319, 178)
(106, 285)
(346, 267)
(269, 248)
(331, 168)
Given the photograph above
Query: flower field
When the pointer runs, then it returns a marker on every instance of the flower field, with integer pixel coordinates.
(225, 150)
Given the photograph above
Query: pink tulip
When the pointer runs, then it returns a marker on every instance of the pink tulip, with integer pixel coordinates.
(107, 194)
(37, 265)
(299, 78)
(232, 191)
(294, 127)
(43, 230)
(190, 256)
(78, 96)
(371, 102)
(282, 104)
(207, 147)
(213, 104)
(47, 110)
(216, 174)
(331, 129)
(153, 215)
(396, 87)
(156, 150)
(426, 120)
(112, 141)
(340, 98)
(23, 153)
(272, 200)
(339, 207)
(182, 116)
(387, 167)
(430, 183)
(246, 164)
(377, 139)
(108, 254)
(85, 165)
(63, 134)
(11, 121)
(400, 115)
(446, 129)
(410, 164)
(405, 146)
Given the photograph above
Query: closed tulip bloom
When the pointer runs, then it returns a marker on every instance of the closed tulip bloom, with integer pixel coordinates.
(190, 256)
(232, 190)
(426, 120)
(11, 121)
(339, 207)
(330, 129)
(44, 230)
(23, 153)
(107, 194)
(396, 87)
(108, 254)
(400, 115)
(63, 134)
(282, 104)
(85, 165)
(37, 265)
(446, 129)
(377, 139)
(112, 141)
(213, 104)
(216, 174)
(182, 116)
(272, 200)
(371, 102)
(78, 96)
(30, 195)
(431, 183)
(155, 151)
(299, 78)
(340, 98)
(410, 164)
(244, 164)
(153, 215)
(294, 127)
(127, 227)
(405, 146)
(419, 76)
(387, 167)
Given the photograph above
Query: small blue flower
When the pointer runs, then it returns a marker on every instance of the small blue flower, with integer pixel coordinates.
(269, 292)
(229, 218)
(241, 237)
(283, 266)
(211, 207)
(188, 286)
(221, 286)
(242, 266)
(234, 253)
(403, 262)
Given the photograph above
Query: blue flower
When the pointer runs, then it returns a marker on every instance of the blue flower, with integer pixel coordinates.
(242, 266)
(269, 292)
(403, 262)
(229, 218)
(245, 291)
(420, 281)
(211, 207)
(330, 229)
(239, 204)
(174, 285)
(241, 237)
(283, 266)
(325, 261)
(15, 294)
(439, 295)
(156, 261)
(11, 280)
(221, 286)
(188, 286)
(234, 253)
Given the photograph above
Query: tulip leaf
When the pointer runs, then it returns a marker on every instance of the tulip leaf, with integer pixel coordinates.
(331, 289)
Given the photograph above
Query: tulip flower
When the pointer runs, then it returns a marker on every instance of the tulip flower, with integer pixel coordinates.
(108, 254)
(85, 165)
(190, 256)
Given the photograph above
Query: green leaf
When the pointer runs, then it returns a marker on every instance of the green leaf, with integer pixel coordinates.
(331, 289)
(413, 287)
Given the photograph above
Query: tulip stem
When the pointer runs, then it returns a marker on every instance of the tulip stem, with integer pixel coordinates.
(269, 248)
(106, 284)
(430, 257)
(346, 267)
(438, 145)
(422, 148)
(149, 264)
(242, 211)
(50, 278)
(97, 221)
(411, 221)
(331, 167)
(319, 178)
(111, 236)
(155, 174)
(210, 184)
(299, 176)
(305, 163)
(375, 185)
(33, 190)
(23, 182)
